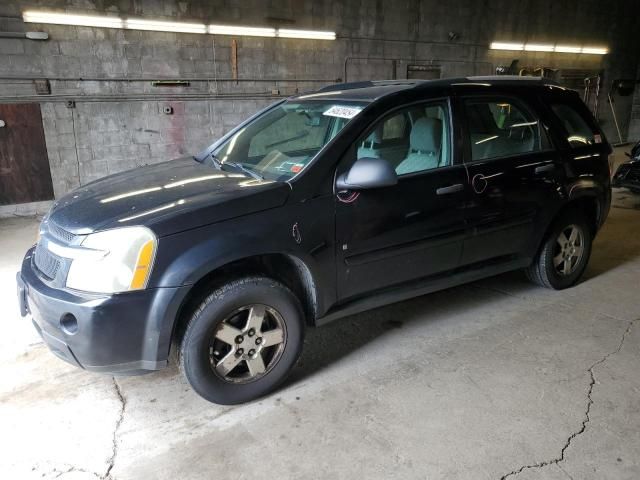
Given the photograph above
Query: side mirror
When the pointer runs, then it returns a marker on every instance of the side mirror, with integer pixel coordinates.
(367, 173)
(627, 154)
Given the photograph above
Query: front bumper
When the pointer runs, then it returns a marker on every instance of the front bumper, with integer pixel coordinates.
(124, 333)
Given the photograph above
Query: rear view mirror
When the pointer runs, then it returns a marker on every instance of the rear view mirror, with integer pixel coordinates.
(312, 121)
(367, 173)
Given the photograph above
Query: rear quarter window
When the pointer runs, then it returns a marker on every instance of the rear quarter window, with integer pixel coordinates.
(579, 132)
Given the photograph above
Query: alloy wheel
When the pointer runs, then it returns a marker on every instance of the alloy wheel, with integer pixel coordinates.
(247, 344)
(569, 250)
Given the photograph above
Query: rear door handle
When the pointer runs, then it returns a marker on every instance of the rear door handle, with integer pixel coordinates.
(458, 187)
(545, 168)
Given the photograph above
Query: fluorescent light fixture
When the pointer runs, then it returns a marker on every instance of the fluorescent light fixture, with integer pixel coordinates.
(244, 31)
(69, 19)
(309, 34)
(595, 51)
(160, 26)
(532, 47)
(568, 49)
(104, 21)
(540, 47)
(507, 46)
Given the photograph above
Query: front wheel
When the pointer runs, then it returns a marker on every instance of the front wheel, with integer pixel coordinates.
(564, 255)
(242, 341)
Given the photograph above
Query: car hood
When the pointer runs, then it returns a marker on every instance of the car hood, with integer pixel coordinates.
(167, 197)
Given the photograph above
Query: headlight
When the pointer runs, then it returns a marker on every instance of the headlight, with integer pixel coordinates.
(121, 260)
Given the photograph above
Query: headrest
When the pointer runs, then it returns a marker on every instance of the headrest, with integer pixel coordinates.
(375, 136)
(426, 135)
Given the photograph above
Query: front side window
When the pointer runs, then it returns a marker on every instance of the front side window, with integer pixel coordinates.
(499, 128)
(579, 133)
(412, 139)
(280, 143)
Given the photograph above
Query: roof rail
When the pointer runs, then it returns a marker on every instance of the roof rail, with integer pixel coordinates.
(367, 84)
(512, 78)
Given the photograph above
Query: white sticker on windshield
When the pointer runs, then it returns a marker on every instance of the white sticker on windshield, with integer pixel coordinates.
(342, 112)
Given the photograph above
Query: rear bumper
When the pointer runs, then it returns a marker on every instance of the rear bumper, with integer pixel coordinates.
(125, 333)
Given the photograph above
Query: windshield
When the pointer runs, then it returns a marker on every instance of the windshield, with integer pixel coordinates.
(280, 143)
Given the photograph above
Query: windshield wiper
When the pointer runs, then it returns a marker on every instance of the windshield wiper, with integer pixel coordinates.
(237, 166)
(215, 160)
(242, 168)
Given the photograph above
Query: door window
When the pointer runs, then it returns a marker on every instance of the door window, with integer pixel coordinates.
(499, 128)
(412, 139)
(579, 133)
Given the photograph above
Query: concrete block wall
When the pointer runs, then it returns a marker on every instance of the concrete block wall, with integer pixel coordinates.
(94, 139)
(118, 120)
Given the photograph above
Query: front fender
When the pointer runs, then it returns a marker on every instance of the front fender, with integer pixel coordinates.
(185, 258)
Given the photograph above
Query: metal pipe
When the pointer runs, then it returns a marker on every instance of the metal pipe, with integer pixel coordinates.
(135, 98)
(432, 61)
(13, 35)
(423, 42)
(151, 79)
(615, 118)
(27, 35)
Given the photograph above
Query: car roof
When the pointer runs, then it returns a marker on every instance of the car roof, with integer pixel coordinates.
(370, 91)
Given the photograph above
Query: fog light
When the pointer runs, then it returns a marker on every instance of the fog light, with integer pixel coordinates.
(69, 324)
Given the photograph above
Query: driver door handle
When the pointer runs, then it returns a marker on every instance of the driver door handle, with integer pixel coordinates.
(458, 187)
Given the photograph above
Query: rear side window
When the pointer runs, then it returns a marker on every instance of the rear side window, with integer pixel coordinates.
(579, 133)
(500, 128)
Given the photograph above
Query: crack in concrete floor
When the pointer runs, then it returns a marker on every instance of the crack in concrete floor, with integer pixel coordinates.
(114, 451)
(587, 419)
(73, 469)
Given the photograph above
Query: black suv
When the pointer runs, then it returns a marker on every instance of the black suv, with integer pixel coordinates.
(320, 206)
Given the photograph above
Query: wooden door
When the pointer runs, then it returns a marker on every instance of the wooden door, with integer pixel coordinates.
(24, 164)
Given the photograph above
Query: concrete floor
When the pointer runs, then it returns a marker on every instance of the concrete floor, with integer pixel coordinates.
(496, 379)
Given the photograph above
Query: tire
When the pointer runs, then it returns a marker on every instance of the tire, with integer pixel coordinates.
(547, 273)
(218, 364)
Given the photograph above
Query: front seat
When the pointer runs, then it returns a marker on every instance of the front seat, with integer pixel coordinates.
(424, 146)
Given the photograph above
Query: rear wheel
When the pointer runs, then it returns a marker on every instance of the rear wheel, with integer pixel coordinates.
(242, 341)
(564, 254)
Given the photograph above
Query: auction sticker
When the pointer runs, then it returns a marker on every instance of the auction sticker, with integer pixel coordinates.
(342, 111)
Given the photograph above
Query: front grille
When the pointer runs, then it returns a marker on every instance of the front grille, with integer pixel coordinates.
(47, 262)
(60, 233)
